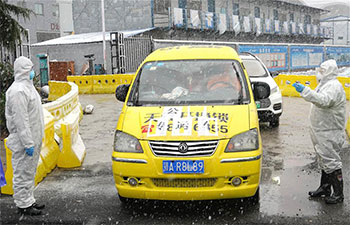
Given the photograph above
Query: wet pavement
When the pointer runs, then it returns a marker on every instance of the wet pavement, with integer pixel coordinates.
(87, 195)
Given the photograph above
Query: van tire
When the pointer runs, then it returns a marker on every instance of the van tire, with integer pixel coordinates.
(123, 199)
(275, 121)
(254, 200)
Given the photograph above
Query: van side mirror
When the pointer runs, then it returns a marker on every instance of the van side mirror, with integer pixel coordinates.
(121, 92)
(261, 90)
(274, 73)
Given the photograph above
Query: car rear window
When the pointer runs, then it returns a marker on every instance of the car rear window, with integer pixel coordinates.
(254, 68)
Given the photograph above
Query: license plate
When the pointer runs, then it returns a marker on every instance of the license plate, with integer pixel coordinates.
(183, 166)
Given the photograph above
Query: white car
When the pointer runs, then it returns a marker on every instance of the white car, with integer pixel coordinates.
(270, 108)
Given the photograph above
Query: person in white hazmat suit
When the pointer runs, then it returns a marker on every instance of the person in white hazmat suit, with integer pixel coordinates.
(25, 122)
(328, 118)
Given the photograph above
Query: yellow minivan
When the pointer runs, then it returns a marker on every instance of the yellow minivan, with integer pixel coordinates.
(189, 128)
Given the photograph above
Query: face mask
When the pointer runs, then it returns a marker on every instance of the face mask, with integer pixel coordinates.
(319, 74)
(31, 75)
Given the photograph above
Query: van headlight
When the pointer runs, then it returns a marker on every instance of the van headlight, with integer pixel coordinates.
(126, 143)
(274, 90)
(246, 141)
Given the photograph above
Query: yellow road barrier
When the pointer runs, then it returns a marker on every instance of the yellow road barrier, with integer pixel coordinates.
(50, 149)
(57, 90)
(67, 112)
(73, 148)
(84, 83)
(285, 82)
(8, 188)
(100, 84)
(47, 160)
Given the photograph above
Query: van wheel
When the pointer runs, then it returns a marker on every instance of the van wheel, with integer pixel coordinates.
(123, 200)
(275, 121)
(254, 200)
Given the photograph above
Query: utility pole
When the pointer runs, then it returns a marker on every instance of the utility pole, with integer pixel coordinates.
(103, 34)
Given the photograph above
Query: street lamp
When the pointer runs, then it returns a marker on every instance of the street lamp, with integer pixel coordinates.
(103, 34)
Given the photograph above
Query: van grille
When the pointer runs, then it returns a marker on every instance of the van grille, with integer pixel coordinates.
(184, 183)
(176, 148)
(265, 103)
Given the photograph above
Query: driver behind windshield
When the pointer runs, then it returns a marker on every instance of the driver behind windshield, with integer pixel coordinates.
(223, 76)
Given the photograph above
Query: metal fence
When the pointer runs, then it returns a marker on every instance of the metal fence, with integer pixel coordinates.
(278, 56)
(7, 55)
(136, 50)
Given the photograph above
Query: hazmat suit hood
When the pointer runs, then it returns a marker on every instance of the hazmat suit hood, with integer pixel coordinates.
(328, 70)
(22, 68)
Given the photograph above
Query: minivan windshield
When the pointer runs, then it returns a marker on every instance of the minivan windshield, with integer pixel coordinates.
(254, 68)
(190, 82)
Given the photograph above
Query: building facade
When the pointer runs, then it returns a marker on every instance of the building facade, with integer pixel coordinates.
(119, 15)
(233, 20)
(253, 20)
(339, 30)
(51, 19)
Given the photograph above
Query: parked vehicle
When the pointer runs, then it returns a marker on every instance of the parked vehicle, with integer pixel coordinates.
(269, 109)
(189, 128)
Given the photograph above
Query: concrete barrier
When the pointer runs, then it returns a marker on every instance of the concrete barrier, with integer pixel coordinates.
(100, 84)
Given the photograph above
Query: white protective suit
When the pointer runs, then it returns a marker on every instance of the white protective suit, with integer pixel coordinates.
(327, 116)
(25, 122)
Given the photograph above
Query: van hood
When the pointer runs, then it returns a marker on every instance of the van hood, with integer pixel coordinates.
(186, 122)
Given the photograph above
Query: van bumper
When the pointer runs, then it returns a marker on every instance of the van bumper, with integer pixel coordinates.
(214, 183)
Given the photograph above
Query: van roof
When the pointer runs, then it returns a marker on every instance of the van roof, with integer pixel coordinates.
(193, 52)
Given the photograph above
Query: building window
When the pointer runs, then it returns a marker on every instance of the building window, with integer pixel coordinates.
(275, 14)
(22, 4)
(183, 4)
(257, 12)
(291, 17)
(283, 17)
(194, 4)
(39, 9)
(236, 9)
(307, 19)
(211, 5)
(55, 10)
(161, 6)
(340, 38)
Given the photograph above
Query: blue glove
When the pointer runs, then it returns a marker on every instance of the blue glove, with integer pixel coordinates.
(299, 87)
(29, 151)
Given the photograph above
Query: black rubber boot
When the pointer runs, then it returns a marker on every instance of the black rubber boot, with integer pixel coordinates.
(30, 211)
(38, 206)
(325, 187)
(337, 184)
